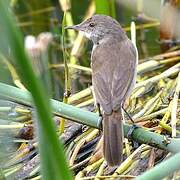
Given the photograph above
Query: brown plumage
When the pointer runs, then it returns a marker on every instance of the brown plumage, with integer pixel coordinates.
(113, 75)
(113, 62)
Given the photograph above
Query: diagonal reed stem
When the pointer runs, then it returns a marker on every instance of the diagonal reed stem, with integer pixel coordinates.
(91, 119)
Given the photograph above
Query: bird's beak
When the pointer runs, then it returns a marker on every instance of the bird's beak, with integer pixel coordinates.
(75, 27)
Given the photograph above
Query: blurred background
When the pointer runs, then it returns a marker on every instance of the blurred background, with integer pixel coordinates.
(41, 23)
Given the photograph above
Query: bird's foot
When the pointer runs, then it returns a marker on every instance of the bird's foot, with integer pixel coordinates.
(131, 131)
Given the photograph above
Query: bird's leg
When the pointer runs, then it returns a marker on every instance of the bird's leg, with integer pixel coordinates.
(128, 115)
(134, 126)
(99, 109)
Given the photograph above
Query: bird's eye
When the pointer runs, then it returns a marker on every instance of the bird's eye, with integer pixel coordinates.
(92, 24)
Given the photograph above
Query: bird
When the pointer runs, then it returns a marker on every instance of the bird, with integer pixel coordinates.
(113, 63)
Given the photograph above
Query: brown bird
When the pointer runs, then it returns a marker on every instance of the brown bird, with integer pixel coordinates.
(113, 63)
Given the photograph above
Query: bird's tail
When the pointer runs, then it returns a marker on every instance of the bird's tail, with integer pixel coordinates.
(113, 138)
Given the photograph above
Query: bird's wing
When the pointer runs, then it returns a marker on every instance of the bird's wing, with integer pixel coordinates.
(113, 69)
(124, 74)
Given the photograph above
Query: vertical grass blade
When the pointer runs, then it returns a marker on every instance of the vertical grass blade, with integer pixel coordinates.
(106, 7)
(67, 83)
(102, 7)
(53, 163)
(112, 8)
